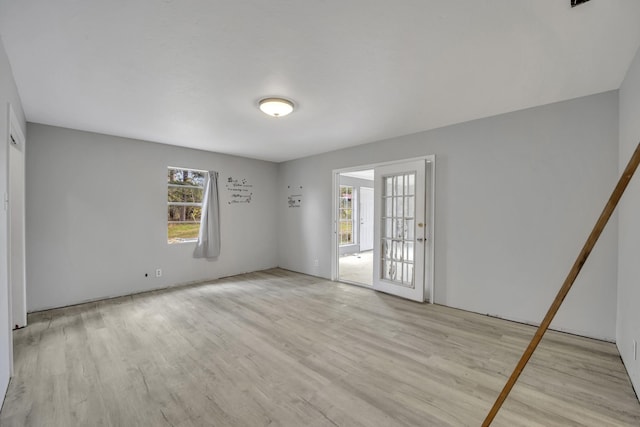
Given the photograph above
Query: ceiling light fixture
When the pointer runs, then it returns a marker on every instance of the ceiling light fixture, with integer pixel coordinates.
(276, 107)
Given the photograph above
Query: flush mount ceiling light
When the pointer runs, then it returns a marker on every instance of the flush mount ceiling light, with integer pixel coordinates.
(276, 107)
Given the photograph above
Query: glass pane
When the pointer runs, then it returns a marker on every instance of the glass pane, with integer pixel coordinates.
(183, 213)
(407, 274)
(398, 211)
(185, 177)
(408, 251)
(399, 191)
(386, 249)
(183, 223)
(387, 269)
(409, 208)
(394, 251)
(346, 232)
(189, 195)
(410, 185)
(178, 232)
(397, 228)
(409, 229)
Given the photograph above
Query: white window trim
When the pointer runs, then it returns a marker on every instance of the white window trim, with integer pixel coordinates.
(189, 240)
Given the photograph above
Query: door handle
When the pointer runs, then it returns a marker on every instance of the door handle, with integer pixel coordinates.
(421, 239)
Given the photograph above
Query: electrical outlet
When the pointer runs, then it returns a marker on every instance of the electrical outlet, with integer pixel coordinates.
(158, 272)
(316, 263)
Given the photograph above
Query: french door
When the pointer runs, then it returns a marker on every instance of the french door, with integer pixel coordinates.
(400, 236)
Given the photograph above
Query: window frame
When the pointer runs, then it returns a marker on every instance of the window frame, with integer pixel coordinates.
(348, 220)
(179, 240)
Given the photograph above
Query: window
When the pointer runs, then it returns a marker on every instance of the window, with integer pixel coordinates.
(346, 215)
(185, 188)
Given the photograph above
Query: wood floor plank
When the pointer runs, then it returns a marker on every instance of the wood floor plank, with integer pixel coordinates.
(276, 348)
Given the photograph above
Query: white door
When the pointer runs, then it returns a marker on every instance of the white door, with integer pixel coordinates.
(366, 219)
(400, 230)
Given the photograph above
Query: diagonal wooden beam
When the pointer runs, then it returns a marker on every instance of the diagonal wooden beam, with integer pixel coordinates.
(568, 282)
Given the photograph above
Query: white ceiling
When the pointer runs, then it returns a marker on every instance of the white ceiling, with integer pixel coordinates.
(191, 72)
(365, 174)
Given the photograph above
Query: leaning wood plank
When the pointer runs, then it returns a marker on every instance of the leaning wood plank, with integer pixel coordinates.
(566, 287)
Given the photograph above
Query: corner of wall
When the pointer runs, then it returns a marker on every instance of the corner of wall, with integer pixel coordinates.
(628, 274)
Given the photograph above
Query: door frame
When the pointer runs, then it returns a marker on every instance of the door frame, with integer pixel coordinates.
(360, 210)
(430, 175)
(16, 150)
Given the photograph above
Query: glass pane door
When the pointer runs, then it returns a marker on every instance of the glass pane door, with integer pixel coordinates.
(399, 236)
(397, 225)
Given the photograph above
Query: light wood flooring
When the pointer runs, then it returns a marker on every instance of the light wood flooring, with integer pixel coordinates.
(276, 348)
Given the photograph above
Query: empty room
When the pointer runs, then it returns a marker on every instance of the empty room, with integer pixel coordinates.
(320, 213)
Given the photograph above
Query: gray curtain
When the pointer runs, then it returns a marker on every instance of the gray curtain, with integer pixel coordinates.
(208, 245)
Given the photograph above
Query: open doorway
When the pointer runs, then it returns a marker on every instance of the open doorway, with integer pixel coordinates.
(355, 227)
(389, 248)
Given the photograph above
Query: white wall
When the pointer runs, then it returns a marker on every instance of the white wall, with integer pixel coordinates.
(97, 209)
(516, 197)
(628, 326)
(8, 94)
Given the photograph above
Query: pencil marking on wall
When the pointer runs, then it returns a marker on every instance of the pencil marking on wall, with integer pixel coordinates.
(239, 189)
(294, 200)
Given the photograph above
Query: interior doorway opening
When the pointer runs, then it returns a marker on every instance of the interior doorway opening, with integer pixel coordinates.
(355, 227)
(390, 248)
